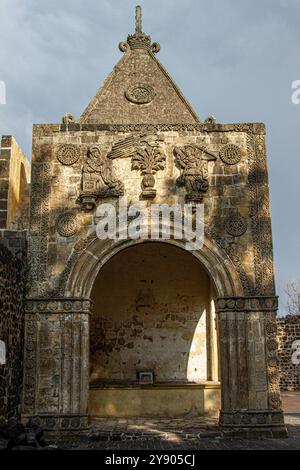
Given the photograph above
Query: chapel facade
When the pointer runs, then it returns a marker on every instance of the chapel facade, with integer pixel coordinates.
(140, 327)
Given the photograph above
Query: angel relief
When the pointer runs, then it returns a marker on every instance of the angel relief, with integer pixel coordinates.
(192, 162)
(98, 179)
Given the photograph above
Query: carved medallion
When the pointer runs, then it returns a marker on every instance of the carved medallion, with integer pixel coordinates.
(140, 93)
(236, 225)
(230, 154)
(67, 225)
(68, 154)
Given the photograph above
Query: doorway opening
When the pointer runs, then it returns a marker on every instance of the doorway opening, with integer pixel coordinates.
(153, 335)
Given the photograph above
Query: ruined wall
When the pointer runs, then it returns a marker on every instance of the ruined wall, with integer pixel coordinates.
(288, 330)
(14, 185)
(12, 286)
(151, 309)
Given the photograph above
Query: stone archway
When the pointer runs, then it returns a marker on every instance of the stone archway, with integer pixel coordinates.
(154, 313)
(250, 399)
(98, 253)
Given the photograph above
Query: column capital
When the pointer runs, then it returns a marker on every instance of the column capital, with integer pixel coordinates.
(58, 305)
(247, 304)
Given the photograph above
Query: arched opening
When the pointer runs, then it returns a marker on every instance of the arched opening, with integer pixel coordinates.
(153, 318)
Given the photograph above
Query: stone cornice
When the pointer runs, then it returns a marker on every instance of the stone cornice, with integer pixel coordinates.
(50, 129)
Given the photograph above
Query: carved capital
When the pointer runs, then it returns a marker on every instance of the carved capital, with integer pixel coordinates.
(67, 305)
(247, 304)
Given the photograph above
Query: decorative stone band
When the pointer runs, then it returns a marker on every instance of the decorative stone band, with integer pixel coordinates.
(250, 128)
(247, 304)
(68, 305)
(270, 423)
(62, 422)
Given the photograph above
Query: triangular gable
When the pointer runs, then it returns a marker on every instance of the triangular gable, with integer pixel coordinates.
(139, 91)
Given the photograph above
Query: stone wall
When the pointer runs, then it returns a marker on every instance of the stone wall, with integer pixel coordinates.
(14, 185)
(289, 332)
(12, 286)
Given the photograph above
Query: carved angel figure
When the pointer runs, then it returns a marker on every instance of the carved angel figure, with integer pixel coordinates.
(98, 179)
(98, 165)
(192, 161)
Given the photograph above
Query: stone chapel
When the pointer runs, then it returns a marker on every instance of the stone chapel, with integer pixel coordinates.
(141, 327)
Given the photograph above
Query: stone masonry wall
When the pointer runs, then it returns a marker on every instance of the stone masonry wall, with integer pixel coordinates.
(289, 332)
(14, 185)
(12, 285)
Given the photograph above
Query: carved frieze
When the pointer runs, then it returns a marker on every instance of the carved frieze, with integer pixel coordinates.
(246, 304)
(68, 154)
(192, 162)
(72, 305)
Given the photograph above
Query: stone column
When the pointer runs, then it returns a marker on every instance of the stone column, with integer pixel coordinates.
(251, 403)
(56, 370)
(213, 343)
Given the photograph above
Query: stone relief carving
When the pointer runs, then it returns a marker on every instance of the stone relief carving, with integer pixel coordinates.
(140, 93)
(230, 154)
(98, 179)
(192, 161)
(210, 120)
(234, 256)
(249, 128)
(67, 224)
(272, 361)
(148, 160)
(146, 156)
(68, 154)
(247, 304)
(260, 214)
(68, 118)
(235, 225)
(39, 226)
(30, 364)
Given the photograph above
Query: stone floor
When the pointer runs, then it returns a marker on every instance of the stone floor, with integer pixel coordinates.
(181, 434)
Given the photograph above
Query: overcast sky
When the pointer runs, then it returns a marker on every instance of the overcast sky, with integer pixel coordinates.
(235, 59)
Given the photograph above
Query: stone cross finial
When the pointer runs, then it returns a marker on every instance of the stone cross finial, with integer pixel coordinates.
(138, 19)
